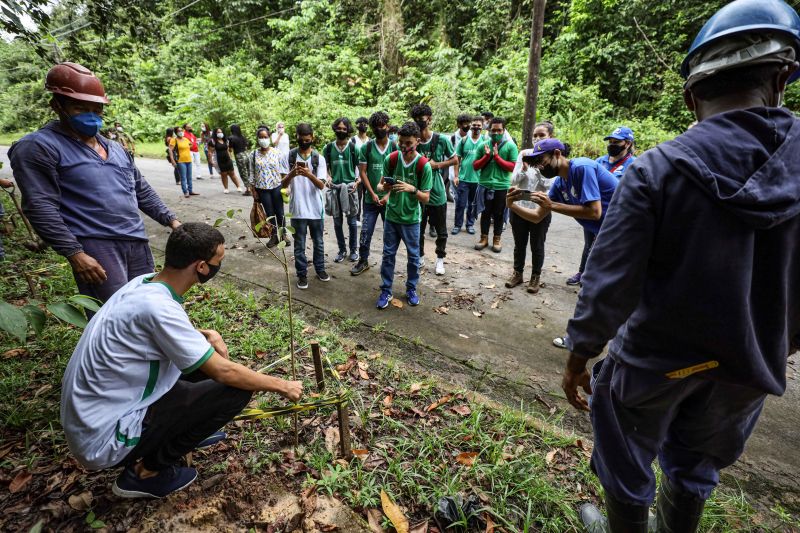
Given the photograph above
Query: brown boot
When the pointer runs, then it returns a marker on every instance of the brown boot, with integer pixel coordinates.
(483, 243)
(514, 280)
(533, 284)
(496, 246)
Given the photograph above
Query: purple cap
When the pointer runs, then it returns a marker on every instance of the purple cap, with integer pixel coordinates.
(546, 145)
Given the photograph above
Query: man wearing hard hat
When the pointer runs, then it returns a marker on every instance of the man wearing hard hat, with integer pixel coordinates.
(81, 192)
(695, 276)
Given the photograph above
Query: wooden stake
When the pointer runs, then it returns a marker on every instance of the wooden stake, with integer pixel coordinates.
(344, 430)
(534, 58)
(315, 353)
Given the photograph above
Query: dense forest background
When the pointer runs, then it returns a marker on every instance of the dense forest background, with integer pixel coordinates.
(605, 62)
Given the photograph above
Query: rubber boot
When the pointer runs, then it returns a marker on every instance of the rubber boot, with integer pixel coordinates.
(622, 517)
(496, 246)
(483, 243)
(676, 511)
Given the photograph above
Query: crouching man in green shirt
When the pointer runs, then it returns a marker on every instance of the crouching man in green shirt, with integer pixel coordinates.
(408, 178)
(144, 387)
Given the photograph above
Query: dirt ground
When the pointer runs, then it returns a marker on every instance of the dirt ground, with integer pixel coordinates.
(476, 332)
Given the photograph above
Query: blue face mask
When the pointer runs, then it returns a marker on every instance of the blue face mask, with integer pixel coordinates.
(393, 137)
(87, 124)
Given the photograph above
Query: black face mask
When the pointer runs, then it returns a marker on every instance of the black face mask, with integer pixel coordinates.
(421, 124)
(380, 134)
(615, 149)
(476, 130)
(341, 135)
(362, 128)
(304, 145)
(212, 271)
(549, 172)
(464, 129)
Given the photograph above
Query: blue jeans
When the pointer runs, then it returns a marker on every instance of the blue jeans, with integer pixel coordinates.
(368, 221)
(315, 227)
(695, 426)
(393, 233)
(185, 170)
(465, 201)
(338, 222)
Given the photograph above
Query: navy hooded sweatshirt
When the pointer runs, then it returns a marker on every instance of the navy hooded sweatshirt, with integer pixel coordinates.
(698, 259)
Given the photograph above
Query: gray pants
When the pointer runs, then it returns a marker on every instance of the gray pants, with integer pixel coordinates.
(122, 260)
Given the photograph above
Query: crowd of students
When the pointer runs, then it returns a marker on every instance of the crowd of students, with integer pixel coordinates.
(356, 178)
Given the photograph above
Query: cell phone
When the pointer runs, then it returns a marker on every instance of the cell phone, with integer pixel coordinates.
(302, 164)
(525, 194)
(391, 182)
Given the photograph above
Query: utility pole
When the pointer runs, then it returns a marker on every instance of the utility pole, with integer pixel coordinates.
(534, 58)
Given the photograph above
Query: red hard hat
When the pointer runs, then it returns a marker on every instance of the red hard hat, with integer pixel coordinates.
(75, 81)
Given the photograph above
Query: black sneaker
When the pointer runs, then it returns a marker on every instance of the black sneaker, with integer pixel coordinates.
(169, 480)
(302, 282)
(359, 268)
(340, 257)
(323, 276)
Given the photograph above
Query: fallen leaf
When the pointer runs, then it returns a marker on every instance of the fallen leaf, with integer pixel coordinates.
(360, 453)
(363, 374)
(441, 401)
(374, 356)
(463, 336)
(466, 458)
(309, 330)
(325, 527)
(492, 286)
(344, 368)
(421, 414)
(397, 303)
(309, 500)
(387, 402)
(551, 455)
(5, 450)
(374, 517)
(393, 512)
(81, 502)
(16, 352)
(477, 314)
(442, 310)
(332, 439)
(462, 410)
(495, 304)
(20, 481)
(489, 523)
(415, 388)
(419, 527)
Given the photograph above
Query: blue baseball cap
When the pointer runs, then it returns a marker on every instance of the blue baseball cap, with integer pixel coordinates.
(544, 146)
(623, 133)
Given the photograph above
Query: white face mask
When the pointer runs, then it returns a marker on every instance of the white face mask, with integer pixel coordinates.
(119, 128)
(220, 135)
(263, 143)
(180, 134)
(202, 128)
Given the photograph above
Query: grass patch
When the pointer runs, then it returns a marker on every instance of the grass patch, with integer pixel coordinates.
(525, 478)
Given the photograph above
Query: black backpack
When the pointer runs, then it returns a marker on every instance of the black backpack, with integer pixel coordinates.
(314, 160)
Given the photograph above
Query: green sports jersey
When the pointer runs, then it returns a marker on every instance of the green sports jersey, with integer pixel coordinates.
(342, 164)
(404, 208)
(442, 152)
(492, 176)
(467, 153)
(371, 155)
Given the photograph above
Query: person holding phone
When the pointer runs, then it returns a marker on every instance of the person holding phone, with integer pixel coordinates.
(268, 168)
(528, 179)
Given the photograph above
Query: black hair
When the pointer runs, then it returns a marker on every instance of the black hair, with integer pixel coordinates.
(547, 125)
(487, 114)
(736, 80)
(220, 128)
(393, 129)
(567, 149)
(263, 127)
(409, 129)
(360, 120)
(421, 110)
(236, 130)
(377, 119)
(190, 242)
(477, 117)
(463, 117)
(260, 129)
(304, 128)
(497, 120)
(345, 121)
(170, 132)
(183, 126)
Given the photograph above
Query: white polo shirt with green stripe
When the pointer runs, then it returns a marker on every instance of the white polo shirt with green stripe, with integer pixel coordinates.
(130, 354)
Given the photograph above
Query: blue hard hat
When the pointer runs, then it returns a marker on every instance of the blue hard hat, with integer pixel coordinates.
(747, 16)
(622, 133)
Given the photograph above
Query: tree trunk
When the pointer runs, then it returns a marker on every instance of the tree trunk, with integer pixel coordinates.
(391, 35)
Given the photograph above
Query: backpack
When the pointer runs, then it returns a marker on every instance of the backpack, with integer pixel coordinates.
(314, 160)
(353, 156)
(421, 162)
(433, 143)
(392, 146)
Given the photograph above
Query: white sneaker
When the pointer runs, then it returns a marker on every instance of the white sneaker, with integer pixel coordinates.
(239, 189)
(439, 266)
(226, 191)
(421, 262)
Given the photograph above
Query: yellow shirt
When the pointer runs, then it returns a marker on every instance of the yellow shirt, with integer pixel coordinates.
(184, 149)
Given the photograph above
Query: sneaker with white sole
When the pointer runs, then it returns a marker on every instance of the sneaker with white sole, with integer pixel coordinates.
(421, 262)
(302, 282)
(439, 266)
(226, 191)
(167, 481)
(383, 300)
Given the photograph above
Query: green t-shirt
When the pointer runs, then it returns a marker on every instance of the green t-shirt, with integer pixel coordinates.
(342, 164)
(492, 176)
(442, 152)
(467, 152)
(404, 208)
(374, 158)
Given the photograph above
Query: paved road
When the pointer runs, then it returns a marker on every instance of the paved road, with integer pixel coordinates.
(507, 333)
